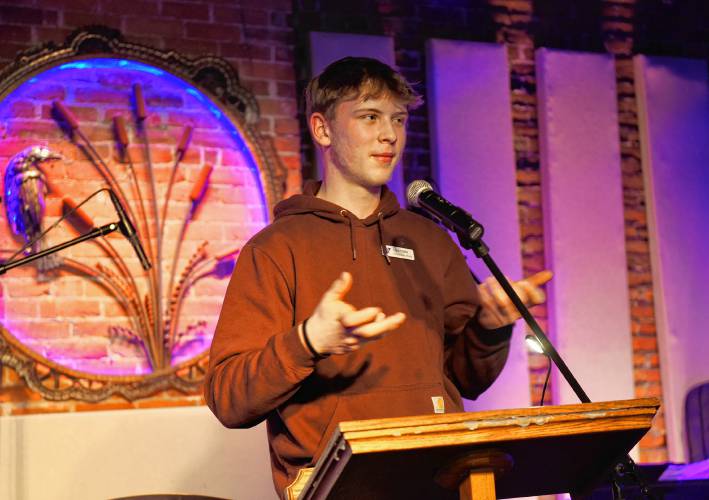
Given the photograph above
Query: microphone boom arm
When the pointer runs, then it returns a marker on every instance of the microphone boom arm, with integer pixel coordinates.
(94, 233)
(482, 251)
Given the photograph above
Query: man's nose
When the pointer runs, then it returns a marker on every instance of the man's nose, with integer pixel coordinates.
(387, 132)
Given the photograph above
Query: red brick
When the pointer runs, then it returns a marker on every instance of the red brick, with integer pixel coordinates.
(192, 46)
(103, 406)
(281, 36)
(52, 33)
(245, 50)
(212, 31)
(290, 144)
(18, 394)
(255, 17)
(228, 14)
(69, 308)
(23, 109)
(277, 107)
(21, 15)
(145, 7)
(156, 26)
(33, 410)
(15, 33)
(100, 96)
(257, 87)
(186, 10)
(86, 18)
(10, 50)
(648, 391)
(81, 5)
(259, 69)
(647, 375)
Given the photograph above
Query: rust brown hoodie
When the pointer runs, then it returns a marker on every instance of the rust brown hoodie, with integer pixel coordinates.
(259, 368)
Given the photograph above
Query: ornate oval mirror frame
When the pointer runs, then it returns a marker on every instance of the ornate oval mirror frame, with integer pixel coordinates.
(214, 83)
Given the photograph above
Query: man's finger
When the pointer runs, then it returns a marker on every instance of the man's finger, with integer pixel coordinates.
(360, 316)
(534, 295)
(538, 279)
(339, 288)
(504, 304)
(372, 330)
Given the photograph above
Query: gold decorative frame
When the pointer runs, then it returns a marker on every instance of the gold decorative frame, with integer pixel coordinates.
(217, 79)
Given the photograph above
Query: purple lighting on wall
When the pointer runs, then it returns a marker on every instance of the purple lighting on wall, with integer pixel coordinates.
(66, 318)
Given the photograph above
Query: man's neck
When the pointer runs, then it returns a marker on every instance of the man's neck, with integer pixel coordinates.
(358, 200)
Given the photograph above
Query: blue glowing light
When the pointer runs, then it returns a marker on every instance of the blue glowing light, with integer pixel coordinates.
(103, 64)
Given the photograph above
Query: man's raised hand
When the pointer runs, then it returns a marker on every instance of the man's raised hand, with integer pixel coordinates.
(337, 327)
(497, 309)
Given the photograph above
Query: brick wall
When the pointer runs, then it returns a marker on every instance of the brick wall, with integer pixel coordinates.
(257, 39)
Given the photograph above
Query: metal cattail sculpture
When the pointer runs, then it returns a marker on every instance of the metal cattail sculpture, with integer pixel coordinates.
(154, 315)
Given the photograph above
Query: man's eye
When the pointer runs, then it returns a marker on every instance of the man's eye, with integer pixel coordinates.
(400, 120)
(370, 117)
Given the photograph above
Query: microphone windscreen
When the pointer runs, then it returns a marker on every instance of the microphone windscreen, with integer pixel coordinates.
(415, 189)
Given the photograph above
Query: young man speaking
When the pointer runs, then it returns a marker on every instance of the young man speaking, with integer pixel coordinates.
(347, 306)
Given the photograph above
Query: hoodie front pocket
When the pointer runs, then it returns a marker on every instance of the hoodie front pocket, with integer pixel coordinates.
(384, 403)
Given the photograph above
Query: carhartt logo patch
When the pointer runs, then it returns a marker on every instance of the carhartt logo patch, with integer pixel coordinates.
(399, 252)
(439, 405)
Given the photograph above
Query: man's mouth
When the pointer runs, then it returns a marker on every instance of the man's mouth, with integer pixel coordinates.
(384, 157)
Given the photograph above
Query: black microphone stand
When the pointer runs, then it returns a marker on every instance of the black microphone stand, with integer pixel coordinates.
(625, 469)
(94, 233)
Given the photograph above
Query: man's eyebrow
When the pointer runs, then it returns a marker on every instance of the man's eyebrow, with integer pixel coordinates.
(379, 111)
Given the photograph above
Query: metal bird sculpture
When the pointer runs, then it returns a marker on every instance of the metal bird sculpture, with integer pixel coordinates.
(25, 188)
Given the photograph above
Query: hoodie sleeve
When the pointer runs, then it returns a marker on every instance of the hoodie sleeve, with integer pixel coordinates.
(257, 361)
(474, 356)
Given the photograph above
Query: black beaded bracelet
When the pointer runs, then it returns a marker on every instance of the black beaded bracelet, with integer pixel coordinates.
(308, 344)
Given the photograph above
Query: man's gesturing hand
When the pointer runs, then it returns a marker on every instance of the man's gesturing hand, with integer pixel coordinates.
(497, 309)
(336, 327)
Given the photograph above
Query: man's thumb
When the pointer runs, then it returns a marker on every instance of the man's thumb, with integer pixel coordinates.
(340, 286)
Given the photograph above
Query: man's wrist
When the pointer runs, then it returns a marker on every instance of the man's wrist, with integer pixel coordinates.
(307, 343)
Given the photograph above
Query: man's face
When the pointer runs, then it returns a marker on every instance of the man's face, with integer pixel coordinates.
(367, 136)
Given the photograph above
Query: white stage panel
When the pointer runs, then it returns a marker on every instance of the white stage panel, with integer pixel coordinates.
(673, 106)
(589, 310)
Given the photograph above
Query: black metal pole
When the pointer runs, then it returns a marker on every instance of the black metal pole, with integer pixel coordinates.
(94, 233)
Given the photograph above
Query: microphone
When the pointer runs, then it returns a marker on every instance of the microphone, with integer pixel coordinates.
(421, 194)
(126, 227)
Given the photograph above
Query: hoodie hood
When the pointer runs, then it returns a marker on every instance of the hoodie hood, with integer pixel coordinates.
(308, 203)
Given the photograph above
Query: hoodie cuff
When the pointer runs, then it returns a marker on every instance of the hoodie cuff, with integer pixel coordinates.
(293, 353)
(490, 338)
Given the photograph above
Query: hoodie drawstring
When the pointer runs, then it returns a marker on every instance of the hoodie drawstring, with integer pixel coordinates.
(380, 220)
(353, 245)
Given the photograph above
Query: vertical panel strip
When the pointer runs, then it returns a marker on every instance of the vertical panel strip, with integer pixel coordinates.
(673, 105)
(471, 132)
(589, 311)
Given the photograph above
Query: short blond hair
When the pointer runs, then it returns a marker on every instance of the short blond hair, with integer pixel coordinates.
(349, 77)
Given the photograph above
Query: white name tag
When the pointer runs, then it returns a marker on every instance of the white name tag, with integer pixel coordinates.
(399, 252)
(439, 404)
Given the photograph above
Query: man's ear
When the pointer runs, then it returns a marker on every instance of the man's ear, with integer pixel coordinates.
(320, 129)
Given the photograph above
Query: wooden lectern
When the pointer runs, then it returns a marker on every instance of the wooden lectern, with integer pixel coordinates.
(479, 456)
